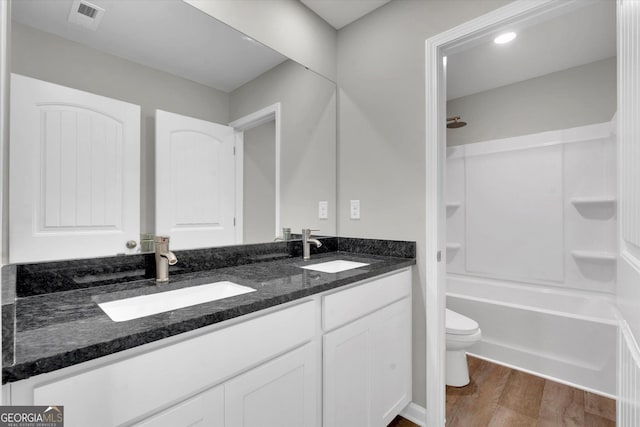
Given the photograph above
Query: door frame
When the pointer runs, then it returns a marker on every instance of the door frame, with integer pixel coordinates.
(437, 47)
(5, 75)
(250, 121)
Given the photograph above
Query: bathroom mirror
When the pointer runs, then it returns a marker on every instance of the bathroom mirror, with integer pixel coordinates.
(167, 55)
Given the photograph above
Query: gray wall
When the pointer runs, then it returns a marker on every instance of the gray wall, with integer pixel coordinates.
(308, 142)
(574, 97)
(381, 136)
(259, 184)
(57, 60)
(284, 25)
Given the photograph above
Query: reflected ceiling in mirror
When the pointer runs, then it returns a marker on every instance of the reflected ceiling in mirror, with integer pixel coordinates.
(167, 35)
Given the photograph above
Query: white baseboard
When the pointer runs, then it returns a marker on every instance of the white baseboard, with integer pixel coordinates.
(415, 413)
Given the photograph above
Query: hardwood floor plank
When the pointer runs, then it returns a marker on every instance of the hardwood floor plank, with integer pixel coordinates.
(561, 406)
(600, 406)
(477, 401)
(505, 417)
(591, 420)
(523, 393)
(401, 422)
(499, 396)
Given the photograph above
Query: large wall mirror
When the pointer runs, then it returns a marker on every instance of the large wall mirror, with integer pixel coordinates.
(167, 55)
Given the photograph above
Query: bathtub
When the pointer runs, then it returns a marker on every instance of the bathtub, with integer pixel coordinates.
(561, 335)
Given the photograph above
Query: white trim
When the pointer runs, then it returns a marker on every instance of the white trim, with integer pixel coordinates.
(5, 32)
(250, 121)
(414, 413)
(568, 136)
(436, 49)
(239, 194)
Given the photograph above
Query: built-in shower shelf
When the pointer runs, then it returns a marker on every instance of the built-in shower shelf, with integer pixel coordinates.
(593, 201)
(453, 205)
(453, 246)
(594, 255)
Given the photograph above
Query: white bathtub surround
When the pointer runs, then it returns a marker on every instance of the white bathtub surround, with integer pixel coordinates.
(537, 208)
(562, 335)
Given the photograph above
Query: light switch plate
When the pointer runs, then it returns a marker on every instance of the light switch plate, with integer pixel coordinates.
(355, 209)
(323, 209)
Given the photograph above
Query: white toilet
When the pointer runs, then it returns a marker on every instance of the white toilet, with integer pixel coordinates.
(462, 333)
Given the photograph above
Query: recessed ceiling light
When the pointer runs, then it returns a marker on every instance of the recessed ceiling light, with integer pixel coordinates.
(504, 38)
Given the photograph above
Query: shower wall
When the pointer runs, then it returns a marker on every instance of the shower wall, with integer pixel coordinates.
(569, 98)
(537, 209)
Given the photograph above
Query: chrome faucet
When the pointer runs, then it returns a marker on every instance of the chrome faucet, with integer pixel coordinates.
(306, 243)
(164, 258)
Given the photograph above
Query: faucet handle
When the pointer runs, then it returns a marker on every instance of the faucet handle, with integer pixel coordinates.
(161, 239)
(307, 231)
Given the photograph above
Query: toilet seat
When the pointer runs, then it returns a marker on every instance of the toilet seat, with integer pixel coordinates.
(457, 324)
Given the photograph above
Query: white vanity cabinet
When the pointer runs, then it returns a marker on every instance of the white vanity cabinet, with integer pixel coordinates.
(138, 385)
(281, 392)
(367, 359)
(342, 358)
(203, 410)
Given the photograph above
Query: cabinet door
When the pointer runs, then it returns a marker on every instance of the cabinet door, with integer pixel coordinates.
(75, 173)
(367, 368)
(347, 375)
(391, 362)
(280, 393)
(204, 410)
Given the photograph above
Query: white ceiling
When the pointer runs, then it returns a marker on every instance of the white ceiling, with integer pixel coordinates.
(339, 13)
(579, 37)
(168, 35)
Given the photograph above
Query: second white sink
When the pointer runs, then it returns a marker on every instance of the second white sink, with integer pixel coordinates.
(335, 266)
(146, 305)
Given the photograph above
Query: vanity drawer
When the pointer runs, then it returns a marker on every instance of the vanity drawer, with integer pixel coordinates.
(347, 305)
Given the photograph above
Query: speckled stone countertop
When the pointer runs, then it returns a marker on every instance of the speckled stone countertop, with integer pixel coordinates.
(66, 327)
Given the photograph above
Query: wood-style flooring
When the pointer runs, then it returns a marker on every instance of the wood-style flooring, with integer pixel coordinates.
(401, 422)
(501, 397)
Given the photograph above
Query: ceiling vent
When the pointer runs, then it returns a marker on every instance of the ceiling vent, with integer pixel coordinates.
(85, 14)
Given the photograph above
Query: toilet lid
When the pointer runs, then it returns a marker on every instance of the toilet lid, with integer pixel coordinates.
(458, 324)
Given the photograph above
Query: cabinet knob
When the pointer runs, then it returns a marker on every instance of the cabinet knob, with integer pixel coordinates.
(131, 244)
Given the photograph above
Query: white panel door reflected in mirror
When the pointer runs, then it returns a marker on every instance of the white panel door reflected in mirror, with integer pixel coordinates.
(75, 173)
(195, 181)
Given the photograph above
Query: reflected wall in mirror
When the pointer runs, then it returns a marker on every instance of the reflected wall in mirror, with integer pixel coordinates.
(167, 55)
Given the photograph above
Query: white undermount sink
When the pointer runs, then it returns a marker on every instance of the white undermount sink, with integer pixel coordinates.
(146, 305)
(335, 266)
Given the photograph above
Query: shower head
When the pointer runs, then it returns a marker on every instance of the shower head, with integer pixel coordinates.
(455, 123)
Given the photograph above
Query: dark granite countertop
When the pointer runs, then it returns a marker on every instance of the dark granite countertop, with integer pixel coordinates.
(64, 328)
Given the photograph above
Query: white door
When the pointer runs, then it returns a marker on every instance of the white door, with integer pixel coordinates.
(74, 173)
(280, 393)
(195, 182)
